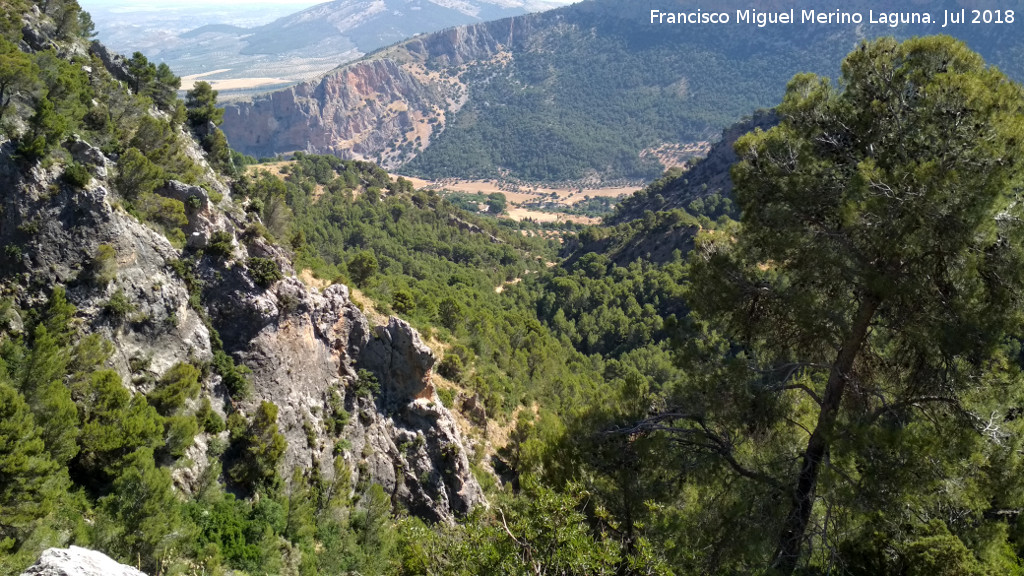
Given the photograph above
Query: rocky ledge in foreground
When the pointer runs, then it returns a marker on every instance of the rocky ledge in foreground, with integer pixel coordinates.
(75, 561)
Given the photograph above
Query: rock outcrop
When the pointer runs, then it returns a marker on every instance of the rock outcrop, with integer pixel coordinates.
(401, 96)
(304, 347)
(59, 235)
(75, 561)
(353, 113)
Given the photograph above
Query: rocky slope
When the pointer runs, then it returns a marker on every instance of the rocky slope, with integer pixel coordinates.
(704, 178)
(302, 346)
(572, 93)
(383, 108)
(289, 49)
(353, 113)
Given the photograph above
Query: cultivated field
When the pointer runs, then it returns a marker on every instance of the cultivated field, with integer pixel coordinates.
(516, 194)
(520, 193)
(187, 82)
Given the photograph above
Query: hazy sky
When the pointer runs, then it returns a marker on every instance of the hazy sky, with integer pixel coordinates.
(160, 4)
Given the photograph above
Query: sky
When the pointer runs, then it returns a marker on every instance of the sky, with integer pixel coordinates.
(158, 4)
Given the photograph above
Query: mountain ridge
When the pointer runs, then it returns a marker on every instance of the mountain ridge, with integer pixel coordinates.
(569, 89)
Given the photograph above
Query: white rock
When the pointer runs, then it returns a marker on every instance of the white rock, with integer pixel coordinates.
(75, 561)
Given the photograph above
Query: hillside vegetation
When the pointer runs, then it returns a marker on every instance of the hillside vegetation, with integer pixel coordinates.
(583, 93)
(815, 370)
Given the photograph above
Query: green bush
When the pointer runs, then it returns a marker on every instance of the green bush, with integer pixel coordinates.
(76, 175)
(103, 268)
(209, 420)
(451, 368)
(136, 174)
(261, 448)
(233, 376)
(221, 244)
(167, 212)
(447, 397)
(403, 301)
(180, 432)
(366, 383)
(119, 306)
(264, 271)
(179, 383)
(362, 266)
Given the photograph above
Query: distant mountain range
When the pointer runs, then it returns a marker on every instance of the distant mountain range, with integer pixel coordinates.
(241, 57)
(584, 93)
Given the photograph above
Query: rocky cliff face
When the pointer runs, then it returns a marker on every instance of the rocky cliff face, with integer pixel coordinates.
(304, 347)
(355, 112)
(385, 108)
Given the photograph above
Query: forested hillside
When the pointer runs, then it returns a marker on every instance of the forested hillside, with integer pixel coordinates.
(589, 92)
(214, 366)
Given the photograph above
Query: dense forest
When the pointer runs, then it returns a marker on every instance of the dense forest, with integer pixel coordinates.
(582, 91)
(815, 370)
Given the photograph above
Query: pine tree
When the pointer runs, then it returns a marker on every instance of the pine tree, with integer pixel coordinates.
(27, 473)
(115, 426)
(262, 448)
(201, 102)
(879, 269)
(142, 513)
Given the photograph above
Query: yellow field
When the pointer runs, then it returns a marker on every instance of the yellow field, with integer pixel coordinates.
(518, 194)
(187, 82)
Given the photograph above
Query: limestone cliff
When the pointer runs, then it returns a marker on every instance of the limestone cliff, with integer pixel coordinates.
(303, 347)
(386, 107)
(354, 112)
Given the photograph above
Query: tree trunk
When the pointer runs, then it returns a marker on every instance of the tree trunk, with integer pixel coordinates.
(791, 538)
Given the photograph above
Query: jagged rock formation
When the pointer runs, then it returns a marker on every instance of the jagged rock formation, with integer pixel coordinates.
(301, 345)
(75, 561)
(58, 236)
(354, 112)
(361, 110)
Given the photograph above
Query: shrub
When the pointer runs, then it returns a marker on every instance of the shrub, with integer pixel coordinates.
(451, 368)
(174, 387)
(209, 420)
(233, 376)
(136, 174)
(363, 266)
(366, 383)
(264, 271)
(76, 175)
(403, 302)
(180, 432)
(167, 212)
(262, 447)
(253, 231)
(119, 306)
(104, 265)
(221, 244)
(447, 397)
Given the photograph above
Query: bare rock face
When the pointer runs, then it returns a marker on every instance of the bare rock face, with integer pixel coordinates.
(402, 363)
(304, 347)
(354, 112)
(89, 155)
(203, 219)
(112, 61)
(59, 236)
(75, 561)
(401, 96)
